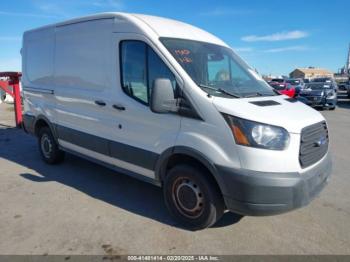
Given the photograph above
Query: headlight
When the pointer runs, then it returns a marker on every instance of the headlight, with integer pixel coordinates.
(254, 134)
(331, 94)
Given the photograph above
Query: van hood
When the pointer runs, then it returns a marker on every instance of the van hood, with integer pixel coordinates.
(274, 110)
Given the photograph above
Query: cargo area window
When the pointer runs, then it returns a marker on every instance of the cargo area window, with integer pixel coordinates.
(140, 66)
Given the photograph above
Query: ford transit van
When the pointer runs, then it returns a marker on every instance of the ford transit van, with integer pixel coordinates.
(173, 105)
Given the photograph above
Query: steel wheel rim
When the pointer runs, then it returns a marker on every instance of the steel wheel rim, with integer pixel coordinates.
(46, 145)
(185, 189)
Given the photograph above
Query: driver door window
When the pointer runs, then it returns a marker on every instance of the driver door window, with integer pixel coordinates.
(134, 74)
(140, 66)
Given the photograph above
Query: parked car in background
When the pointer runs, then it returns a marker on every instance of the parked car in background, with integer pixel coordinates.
(347, 87)
(322, 79)
(283, 87)
(320, 94)
(342, 85)
(297, 84)
(278, 80)
(326, 80)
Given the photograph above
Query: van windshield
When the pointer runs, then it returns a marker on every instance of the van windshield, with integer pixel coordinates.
(217, 69)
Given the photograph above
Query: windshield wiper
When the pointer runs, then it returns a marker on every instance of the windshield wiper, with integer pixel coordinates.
(257, 94)
(207, 87)
(228, 93)
(223, 91)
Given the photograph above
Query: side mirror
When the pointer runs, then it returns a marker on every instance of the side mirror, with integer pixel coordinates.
(162, 97)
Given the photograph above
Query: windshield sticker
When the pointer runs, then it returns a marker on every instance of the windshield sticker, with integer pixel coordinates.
(183, 55)
(182, 52)
(185, 60)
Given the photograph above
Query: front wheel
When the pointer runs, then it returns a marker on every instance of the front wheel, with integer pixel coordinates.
(192, 197)
(48, 147)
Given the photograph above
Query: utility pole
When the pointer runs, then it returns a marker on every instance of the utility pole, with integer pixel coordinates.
(347, 65)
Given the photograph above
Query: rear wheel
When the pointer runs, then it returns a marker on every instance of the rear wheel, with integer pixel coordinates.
(48, 147)
(192, 197)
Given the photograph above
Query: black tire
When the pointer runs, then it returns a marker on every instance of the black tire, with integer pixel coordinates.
(48, 147)
(192, 197)
(332, 108)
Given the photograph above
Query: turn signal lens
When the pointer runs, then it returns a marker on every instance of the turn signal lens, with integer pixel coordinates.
(239, 136)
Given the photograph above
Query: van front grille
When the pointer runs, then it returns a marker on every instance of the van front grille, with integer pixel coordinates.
(313, 144)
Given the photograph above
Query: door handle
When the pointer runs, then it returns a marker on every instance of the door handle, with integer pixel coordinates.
(119, 107)
(100, 103)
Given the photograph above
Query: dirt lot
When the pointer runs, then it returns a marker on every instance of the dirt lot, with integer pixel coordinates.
(81, 208)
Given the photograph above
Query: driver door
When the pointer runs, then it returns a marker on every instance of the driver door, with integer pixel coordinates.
(139, 135)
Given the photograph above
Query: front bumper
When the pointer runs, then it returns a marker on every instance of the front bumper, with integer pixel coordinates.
(259, 193)
(331, 102)
(321, 102)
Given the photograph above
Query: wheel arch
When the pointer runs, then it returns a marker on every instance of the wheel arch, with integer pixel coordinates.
(42, 121)
(183, 154)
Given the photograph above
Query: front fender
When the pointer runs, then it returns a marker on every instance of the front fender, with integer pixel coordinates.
(205, 151)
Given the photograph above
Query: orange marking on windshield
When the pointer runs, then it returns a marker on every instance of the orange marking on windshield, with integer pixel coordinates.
(182, 51)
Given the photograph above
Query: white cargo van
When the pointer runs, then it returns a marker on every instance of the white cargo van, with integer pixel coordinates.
(173, 105)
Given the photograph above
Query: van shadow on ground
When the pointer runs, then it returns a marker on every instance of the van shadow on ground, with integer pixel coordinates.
(96, 181)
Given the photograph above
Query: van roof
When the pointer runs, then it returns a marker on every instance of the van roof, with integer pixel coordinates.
(162, 27)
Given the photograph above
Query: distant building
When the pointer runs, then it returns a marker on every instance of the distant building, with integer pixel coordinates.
(310, 72)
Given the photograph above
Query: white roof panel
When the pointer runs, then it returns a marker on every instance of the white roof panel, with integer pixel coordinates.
(165, 27)
(162, 27)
